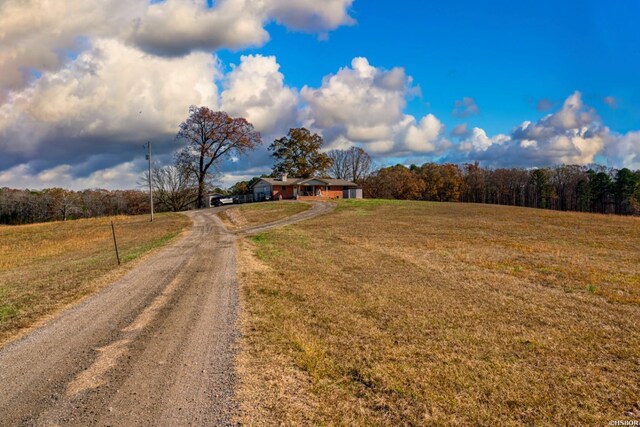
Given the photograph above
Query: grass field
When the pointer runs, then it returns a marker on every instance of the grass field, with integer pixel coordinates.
(260, 213)
(45, 267)
(414, 313)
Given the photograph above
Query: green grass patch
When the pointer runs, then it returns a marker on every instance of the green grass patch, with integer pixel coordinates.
(265, 249)
(7, 311)
(260, 238)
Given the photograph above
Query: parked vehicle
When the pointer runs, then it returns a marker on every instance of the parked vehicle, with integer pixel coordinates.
(221, 200)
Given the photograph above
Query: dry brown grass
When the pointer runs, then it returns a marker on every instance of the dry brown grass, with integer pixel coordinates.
(414, 313)
(260, 213)
(45, 267)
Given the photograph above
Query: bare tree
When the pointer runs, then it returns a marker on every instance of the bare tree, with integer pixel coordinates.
(174, 187)
(62, 203)
(29, 206)
(211, 136)
(340, 168)
(353, 164)
(360, 164)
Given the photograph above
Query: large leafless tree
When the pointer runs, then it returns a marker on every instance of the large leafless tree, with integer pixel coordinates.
(353, 164)
(174, 187)
(212, 136)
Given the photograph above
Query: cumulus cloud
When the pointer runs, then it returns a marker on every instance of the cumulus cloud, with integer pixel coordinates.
(107, 100)
(624, 150)
(121, 176)
(465, 107)
(255, 90)
(364, 105)
(426, 136)
(573, 115)
(37, 36)
(177, 27)
(572, 135)
(361, 99)
(311, 15)
(85, 83)
(478, 141)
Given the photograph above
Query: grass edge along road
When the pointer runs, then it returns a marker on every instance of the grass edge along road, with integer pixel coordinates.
(49, 266)
(390, 312)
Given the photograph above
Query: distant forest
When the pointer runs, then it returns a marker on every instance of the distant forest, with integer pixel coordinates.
(57, 204)
(566, 188)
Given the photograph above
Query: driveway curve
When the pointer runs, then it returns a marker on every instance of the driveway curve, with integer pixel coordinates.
(156, 347)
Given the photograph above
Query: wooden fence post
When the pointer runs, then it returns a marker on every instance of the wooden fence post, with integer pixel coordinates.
(115, 243)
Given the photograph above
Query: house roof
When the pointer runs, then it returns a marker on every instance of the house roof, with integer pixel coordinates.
(301, 181)
(333, 181)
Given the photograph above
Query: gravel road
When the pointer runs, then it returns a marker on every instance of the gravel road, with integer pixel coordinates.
(156, 347)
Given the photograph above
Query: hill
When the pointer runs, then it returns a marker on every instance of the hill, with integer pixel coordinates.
(388, 312)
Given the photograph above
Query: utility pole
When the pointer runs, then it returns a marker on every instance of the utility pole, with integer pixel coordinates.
(150, 186)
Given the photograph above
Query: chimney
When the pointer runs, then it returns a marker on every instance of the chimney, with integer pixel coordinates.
(283, 177)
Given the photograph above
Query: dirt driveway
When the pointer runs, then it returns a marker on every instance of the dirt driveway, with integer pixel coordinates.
(156, 347)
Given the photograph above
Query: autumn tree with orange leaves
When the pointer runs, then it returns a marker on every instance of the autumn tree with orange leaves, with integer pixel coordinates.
(212, 136)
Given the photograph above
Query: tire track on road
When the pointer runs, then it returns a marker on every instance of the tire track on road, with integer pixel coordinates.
(157, 347)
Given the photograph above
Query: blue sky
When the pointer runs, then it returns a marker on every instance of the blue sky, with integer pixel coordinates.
(507, 55)
(533, 83)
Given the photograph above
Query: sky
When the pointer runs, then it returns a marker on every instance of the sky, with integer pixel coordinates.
(85, 83)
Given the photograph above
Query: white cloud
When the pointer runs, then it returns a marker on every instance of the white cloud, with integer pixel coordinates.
(479, 141)
(573, 115)
(122, 176)
(233, 23)
(84, 83)
(112, 92)
(364, 105)
(357, 98)
(228, 178)
(39, 35)
(310, 15)
(624, 150)
(177, 27)
(255, 90)
(572, 135)
(426, 137)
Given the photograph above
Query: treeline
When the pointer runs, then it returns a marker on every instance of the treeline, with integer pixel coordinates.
(57, 204)
(567, 187)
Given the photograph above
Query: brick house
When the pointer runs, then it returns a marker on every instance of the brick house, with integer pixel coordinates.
(300, 188)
